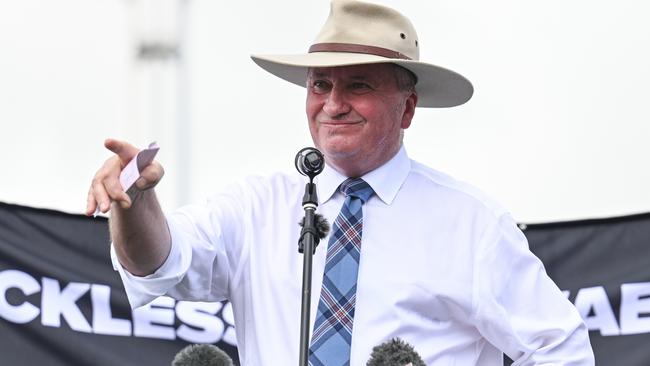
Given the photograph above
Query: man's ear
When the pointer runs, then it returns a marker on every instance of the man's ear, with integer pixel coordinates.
(409, 110)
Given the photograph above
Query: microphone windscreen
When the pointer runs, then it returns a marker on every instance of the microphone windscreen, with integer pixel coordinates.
(395, 352)
(322, 226)
(202, 355)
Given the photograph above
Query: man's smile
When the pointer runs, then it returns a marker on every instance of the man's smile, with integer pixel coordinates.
(340, 123)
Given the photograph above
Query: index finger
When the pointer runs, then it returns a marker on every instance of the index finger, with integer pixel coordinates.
(122, 149)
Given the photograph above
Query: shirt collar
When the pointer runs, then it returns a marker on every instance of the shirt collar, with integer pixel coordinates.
(385, 180)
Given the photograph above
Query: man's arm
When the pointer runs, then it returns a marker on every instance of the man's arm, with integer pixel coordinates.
(520, 310)
(138, 228)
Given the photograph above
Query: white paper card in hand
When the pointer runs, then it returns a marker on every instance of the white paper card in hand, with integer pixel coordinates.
(134, 168)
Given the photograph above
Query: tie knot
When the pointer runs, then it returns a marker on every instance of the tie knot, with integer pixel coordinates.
(358, 188)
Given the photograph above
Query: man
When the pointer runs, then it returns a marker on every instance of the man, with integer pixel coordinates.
(413, 253)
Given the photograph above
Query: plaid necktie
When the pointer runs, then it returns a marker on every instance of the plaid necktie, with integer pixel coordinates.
(332, 335)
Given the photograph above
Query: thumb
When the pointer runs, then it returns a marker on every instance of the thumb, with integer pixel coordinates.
(122, 149)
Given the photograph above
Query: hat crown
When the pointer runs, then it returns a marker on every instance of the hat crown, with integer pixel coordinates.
(360, 23)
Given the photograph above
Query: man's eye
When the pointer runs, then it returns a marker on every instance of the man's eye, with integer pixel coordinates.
(320, 85)
(360, 86)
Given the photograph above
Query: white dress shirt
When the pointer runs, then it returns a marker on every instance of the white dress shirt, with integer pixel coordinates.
(442, 267)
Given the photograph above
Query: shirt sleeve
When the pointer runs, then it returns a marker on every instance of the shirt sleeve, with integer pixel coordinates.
(206, 246)
(519, 309)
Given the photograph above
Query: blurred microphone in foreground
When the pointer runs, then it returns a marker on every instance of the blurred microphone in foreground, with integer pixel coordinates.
(395, 352)
(202, 355)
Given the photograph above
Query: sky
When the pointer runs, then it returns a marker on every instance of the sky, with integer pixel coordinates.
(557, 128)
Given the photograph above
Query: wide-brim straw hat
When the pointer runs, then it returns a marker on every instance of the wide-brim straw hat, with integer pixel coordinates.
(357, 33)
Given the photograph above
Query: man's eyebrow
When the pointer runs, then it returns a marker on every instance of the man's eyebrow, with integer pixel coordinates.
(318, 74)
(359, 77)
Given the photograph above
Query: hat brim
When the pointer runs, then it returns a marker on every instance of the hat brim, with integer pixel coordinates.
(437, 87)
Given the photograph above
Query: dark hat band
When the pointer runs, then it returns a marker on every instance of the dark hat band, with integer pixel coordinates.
(357, 48)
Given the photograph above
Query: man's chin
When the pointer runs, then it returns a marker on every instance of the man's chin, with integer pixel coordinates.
(340, 152)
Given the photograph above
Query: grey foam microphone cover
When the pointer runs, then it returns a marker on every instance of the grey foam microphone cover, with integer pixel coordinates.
(202, 355)
(395, 352)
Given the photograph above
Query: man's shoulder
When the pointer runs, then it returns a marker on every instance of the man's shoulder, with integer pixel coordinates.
(454, 191)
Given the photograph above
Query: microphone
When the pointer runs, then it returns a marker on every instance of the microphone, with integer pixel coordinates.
(395, 352)
(310, 162)
(202, 355)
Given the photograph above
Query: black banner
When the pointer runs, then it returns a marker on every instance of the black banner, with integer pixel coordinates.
(61, 303)
(604, 265)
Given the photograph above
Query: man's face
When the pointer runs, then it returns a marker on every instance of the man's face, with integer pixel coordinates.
(356, 115)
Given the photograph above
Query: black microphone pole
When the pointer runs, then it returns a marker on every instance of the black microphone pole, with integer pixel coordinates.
(309, 162)
(307, 246)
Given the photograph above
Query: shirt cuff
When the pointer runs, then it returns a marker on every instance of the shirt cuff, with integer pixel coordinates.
(142, 290)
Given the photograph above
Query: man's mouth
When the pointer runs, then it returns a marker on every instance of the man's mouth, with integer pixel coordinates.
(339, 123)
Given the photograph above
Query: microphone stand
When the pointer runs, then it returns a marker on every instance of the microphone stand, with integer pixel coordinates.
(307, 243)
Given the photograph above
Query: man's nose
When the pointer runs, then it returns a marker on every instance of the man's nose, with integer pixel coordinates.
(336, 103)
